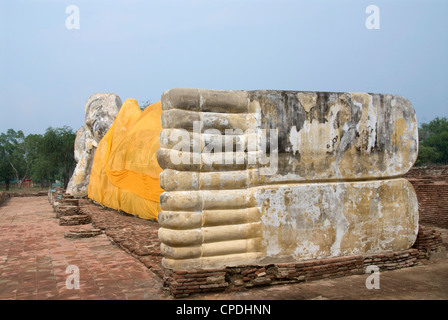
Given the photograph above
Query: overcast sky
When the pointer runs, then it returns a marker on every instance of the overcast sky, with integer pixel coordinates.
(138, 49)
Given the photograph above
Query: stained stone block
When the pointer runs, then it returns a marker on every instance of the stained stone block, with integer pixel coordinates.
(281, 176)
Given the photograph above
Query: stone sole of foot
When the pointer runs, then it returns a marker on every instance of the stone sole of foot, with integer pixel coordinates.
(75, 220)
(83, 233)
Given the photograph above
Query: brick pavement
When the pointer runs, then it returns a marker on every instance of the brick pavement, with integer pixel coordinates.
(136, 236)
(34, 256)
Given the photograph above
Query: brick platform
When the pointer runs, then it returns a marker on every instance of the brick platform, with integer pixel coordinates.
(183, 283)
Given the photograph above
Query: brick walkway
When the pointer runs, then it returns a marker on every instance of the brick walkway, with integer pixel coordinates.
(34, 256)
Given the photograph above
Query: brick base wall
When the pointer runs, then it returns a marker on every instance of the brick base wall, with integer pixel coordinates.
(428, 240)
(431, 186)
(30, 194)
(7, 195)
(432, 203)
(183, 283)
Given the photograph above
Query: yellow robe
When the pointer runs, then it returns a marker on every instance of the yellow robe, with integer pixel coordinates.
(125, 172)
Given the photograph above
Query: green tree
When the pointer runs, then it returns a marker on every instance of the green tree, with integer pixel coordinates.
(18, 151)
(6, 172)
(43, 157)
(433, 139)
(42, 169)
(58, 147)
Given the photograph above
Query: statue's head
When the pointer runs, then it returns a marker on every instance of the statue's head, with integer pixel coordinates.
(100, 112)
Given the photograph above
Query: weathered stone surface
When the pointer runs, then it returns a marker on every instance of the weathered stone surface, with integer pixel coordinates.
(321, 136)
(327, 182)
(347, 218)
(100, 112)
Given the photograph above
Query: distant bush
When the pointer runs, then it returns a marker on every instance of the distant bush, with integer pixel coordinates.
(433, 143)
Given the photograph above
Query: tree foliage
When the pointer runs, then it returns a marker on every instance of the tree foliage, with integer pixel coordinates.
(433, 142)
(44, 157)
(58, 145)
(18, 152)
